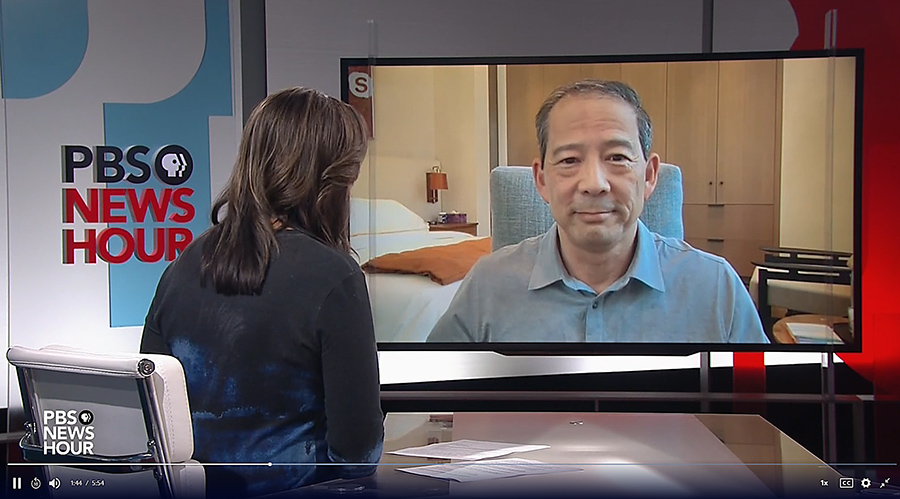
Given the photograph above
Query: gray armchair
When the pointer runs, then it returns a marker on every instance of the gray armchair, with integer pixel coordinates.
(518, 211)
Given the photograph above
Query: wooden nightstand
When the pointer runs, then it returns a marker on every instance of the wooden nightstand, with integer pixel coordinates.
(468, 228)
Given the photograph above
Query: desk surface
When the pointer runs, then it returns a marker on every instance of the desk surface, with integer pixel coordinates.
(618, 454)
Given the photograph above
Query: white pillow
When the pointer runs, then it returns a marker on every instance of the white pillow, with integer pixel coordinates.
(390, 216)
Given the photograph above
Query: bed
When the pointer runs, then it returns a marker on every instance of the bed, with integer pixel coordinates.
(404, 307)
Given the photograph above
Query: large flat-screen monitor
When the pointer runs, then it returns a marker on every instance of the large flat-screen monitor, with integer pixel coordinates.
(711, 203)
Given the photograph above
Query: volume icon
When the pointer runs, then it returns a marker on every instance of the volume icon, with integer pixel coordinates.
(55, 483)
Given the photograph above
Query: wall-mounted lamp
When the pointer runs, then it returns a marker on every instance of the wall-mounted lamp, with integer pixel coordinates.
(435, 180)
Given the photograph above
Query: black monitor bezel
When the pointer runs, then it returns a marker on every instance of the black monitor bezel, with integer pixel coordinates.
(680, 349)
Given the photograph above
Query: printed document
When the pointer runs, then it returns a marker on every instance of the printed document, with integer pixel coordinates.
(483, 470)
(813, 333)
(469, 450)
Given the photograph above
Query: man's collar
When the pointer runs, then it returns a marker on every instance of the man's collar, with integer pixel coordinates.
(549, 268)
(645, 266)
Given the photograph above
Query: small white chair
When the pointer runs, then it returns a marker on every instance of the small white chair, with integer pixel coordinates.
(141, 440)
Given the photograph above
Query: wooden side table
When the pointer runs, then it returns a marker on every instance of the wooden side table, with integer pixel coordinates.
(468, 228)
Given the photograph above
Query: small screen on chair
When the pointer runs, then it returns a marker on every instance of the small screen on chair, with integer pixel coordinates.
(611, 204)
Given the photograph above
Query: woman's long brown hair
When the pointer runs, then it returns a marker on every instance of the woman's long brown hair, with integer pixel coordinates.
(299, 156)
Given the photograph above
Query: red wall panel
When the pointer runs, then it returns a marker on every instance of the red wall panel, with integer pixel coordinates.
(871, 25)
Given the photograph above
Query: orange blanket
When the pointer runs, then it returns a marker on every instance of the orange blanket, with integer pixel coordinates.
(443, 264)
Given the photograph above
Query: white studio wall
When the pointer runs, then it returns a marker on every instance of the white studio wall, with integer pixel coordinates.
(119, 117)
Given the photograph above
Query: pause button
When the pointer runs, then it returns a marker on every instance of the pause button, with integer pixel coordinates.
(17, 483)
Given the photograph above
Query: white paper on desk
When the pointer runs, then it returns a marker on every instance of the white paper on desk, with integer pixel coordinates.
(813, 333)
(485, 470)
(470, 450)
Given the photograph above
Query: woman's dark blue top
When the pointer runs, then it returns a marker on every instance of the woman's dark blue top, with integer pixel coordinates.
(289, 376)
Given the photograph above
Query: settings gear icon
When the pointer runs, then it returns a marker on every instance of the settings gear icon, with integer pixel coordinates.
(866, 483)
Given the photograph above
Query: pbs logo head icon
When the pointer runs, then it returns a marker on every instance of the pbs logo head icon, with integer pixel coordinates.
(85, 417)
(173, 164)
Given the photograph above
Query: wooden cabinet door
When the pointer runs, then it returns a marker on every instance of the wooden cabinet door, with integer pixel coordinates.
(745, 229)
(649, 81)
(742, 253)
(745, 160)
(734, 232)
(738, 221)
(691, 102)
(524, 95)
(609, 71)
(556, 75)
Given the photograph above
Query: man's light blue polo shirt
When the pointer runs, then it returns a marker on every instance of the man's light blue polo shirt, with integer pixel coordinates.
(671, 293)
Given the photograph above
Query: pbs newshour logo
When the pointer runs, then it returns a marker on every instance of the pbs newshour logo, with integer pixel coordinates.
(123, 200)
(68, 433)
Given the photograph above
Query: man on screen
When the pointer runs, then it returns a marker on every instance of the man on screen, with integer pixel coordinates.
(599, 274)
